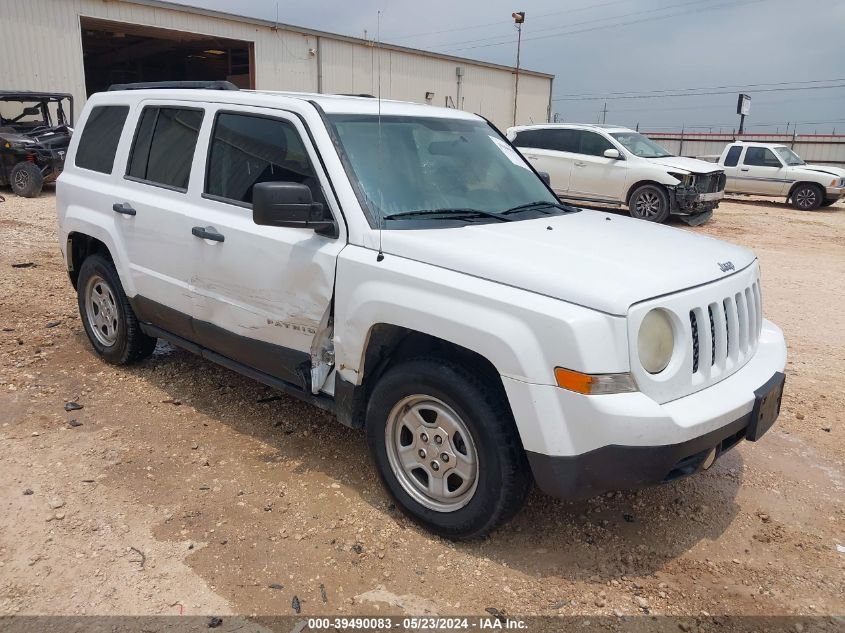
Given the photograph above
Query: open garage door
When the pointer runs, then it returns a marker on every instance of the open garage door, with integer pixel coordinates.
(117, 52)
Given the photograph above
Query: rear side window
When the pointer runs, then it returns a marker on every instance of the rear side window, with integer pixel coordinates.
(565, 140)
(536, 139)
(98, 143)
(593, 144)
(164, 145)
(732, 157)
(760, 157)
(246, 150)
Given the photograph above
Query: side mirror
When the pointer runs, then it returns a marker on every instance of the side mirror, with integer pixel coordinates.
(544, 176)
(612, 153)
(289, 204)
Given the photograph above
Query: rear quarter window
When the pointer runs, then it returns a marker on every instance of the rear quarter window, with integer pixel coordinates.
(732, 157)
(98, 143)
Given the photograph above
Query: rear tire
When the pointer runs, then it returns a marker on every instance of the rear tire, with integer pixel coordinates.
(476, 476)
(649, 202)
(807, 197)
(26, 180)
(109, 321)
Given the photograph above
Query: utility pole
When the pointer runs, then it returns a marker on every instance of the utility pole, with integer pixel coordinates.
(519, 19)
(604, 114)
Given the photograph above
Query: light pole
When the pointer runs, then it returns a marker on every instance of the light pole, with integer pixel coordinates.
(518, 18)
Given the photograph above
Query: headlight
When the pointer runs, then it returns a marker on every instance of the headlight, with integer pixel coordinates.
(687, 180)
(655, 341)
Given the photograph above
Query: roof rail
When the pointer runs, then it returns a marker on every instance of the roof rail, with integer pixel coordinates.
(188, 85)
(353, 94)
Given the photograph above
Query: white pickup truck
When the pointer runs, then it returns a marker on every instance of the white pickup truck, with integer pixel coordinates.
(405, 268)
(769, 169)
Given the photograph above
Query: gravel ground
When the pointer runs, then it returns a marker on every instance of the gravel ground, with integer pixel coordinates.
(178, 487)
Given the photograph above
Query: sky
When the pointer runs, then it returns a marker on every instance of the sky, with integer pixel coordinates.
(782, 52)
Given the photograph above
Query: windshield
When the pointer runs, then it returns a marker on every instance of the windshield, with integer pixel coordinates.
(788, 156)
(438, 165)
(640, 145)
(29, 113)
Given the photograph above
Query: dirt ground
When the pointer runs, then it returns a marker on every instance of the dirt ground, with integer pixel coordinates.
(181, 487)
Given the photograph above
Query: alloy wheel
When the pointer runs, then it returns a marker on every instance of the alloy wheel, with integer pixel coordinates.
(648, 204)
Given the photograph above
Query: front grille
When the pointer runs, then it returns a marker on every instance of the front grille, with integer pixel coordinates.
(710, 183)
(734, 326)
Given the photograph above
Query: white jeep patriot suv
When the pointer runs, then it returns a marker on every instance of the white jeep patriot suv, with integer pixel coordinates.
(402, 266)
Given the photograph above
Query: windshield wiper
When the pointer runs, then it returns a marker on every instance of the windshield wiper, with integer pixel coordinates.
(531, 206)
(448, 213)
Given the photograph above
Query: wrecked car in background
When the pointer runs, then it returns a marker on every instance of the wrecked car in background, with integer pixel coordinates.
(612, 165)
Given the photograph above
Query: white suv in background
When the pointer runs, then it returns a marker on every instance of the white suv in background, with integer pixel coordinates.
(611, 165)
(403, 267)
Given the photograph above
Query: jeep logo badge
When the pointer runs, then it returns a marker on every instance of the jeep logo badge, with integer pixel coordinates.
(726, 266)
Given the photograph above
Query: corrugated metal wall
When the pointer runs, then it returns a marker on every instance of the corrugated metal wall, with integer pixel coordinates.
(813, 148)
(41, 49)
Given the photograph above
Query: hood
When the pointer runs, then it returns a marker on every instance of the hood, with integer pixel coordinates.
(825, 169)
(590, 258)
(688, 164)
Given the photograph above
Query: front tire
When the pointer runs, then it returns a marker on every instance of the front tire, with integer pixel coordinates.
(109, 321)
(807, 197)
(446, 448)
(649, 202)
(26, 180)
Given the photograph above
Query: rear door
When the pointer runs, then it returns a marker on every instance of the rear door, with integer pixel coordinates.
(549, 150)
(150, 211)
(731, 167)
(262, 293)
(594, 175)
(762, 172)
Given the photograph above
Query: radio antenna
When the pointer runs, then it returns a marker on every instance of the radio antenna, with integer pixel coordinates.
(380, 255)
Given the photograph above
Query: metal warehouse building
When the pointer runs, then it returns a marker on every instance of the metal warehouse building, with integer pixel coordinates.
(83, 46)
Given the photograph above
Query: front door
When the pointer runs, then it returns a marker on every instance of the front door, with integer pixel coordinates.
(761, 172)
(595, 176)
(262, 293)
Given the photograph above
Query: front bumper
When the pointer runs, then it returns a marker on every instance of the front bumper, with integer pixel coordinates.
(629, 467)
(580, 446)
(690, 201)
(834, 193)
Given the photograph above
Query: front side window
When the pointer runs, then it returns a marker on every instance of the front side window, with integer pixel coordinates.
(593, 144)
(406, 165)
(246, 150)
(98, 143)
(760, 157)
(164, 146)
(640, 145)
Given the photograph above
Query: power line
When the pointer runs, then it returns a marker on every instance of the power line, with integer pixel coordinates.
(592, 21)
(596, 28)
(700, 94)
(627, 93)
(507, 22)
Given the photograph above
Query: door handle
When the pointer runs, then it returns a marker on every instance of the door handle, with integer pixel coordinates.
(123, 207)
(207, 233)
(743, 169)
(533, 158)
(580, 164)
